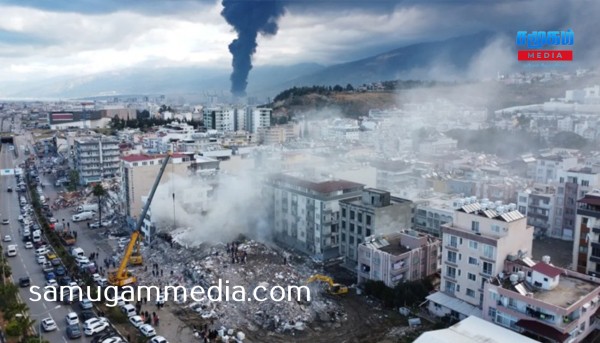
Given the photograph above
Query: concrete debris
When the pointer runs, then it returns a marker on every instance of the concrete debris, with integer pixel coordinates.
(206, 264)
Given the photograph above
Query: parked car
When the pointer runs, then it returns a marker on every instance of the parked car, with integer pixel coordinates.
(147, 330)
(73, 331)
(136, 321)
(48, 324)
(158, 339)
(72, 319)
(86, 304)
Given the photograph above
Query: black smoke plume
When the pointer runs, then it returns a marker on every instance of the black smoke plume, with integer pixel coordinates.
(248, 18)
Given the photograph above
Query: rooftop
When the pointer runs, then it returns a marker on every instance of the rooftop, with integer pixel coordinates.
(569, 290)
(328, 186)
(148, 157)
(591, 198)
(477, 209)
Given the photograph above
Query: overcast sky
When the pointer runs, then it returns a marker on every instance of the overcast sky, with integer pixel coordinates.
(42, 39)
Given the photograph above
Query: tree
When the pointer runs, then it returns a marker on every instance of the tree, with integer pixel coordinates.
(337, 88)
(349, 88)
(73, 180)
(99, 192)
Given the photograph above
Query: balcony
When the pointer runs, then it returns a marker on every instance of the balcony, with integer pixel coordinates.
(596, 230)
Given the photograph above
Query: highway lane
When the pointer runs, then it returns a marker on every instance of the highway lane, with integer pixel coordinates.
(24, 264)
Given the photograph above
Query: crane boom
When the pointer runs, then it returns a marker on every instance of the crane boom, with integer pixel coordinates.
(121, 277)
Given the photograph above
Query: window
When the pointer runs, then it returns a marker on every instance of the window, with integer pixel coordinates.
(343, 224)
(450, 287)
(492, 313)
(487, 268)
(473, 261)
(495, 228)
(343, 237)
(368, 233)
(451, 272)
(368, 219)
(522, 199)
(473, 245)
(451, 256)
(351, 215)
(360, 217)
(472, 277)
(343, 212)
(453, 241)
(359, 230)
(561, 180)
(470, 293)
(475, 226)
(351, 227)
(488, 251)
(585, 183)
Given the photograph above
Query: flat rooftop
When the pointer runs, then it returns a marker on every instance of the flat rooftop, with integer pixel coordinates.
(569, 291)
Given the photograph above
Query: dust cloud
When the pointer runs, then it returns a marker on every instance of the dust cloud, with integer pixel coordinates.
(215, 209)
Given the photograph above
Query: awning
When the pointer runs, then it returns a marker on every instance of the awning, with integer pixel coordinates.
(454, 304)
(543, 330)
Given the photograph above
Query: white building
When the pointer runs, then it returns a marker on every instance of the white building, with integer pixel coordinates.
(219, 118)
(548, 165)
(474, 248)
(257, 118)
(96, 158)
(539, 205)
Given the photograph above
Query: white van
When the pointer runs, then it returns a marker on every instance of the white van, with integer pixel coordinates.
(77, 252)
(37, 236)
(11, 251)
(41, 251)
(129, 310)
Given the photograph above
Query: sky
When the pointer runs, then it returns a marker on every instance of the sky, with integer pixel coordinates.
(45, 39)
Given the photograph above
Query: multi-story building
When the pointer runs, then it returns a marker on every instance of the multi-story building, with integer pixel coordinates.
(139, 172)
(373, 212)
(474, 247)
(586, 245)
(219, 118)
(398, 257)
(572, 185)
(542, 301)
(96, 158)
(538, 204)
(278, 134)
(548, 165)
(258, 117)
(306, 213)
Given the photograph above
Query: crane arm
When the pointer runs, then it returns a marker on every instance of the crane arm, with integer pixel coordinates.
(121, 272)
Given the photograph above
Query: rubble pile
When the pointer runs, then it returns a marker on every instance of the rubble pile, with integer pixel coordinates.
(206, 264)
(67, 199)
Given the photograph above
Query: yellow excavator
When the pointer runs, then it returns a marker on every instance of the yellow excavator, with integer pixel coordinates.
(123, 277)
(334, 288)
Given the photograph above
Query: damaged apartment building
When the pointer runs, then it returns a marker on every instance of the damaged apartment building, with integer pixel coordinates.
(306, 213)
(402, 256)
(373, 212)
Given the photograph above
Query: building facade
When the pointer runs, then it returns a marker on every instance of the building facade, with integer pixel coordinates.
(306, 214)
(572, 185)
(96, 158)
(219, 118)
(139, 171)
(586, 245)
(373, 212)
(398, 257)
(539, 205)
(474, 248)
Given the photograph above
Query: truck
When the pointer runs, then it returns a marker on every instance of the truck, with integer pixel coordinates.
(67, 238)
(87, 207)
(87, 215)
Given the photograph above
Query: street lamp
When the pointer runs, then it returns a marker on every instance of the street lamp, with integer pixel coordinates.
(39, 315)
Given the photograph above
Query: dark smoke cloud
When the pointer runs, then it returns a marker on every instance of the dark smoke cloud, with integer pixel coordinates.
(248, 18)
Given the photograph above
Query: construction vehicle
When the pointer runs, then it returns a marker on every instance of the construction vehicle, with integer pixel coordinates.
(333, 288)
(123, 277)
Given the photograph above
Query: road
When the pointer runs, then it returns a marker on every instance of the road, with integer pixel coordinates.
(24, 263)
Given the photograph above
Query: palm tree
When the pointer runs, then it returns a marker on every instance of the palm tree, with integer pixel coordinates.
(14, 308)
(100, 193)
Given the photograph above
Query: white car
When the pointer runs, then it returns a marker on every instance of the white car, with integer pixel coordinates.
(51, 283)
(72, 318)
(136, 321)
(5, 221)
(28, 245)
(7, 238)
(158, 339)
(48, 324)
(52, 220)
(82, 260)
(113, 340)
(94, 325)
(147, 330)
(41, 259)
(96, 277)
